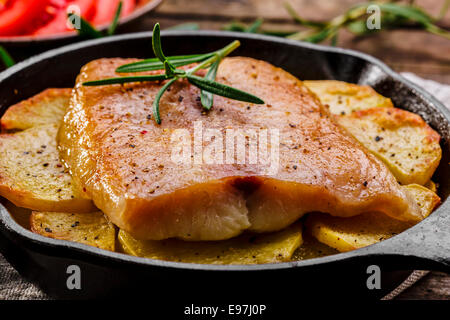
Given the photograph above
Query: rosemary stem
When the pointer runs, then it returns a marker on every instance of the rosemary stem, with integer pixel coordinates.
(217, 56)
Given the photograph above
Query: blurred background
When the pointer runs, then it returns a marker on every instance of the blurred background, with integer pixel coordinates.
(402, 42)
(404, 49)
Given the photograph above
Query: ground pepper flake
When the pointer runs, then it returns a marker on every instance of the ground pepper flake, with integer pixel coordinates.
(378, 138)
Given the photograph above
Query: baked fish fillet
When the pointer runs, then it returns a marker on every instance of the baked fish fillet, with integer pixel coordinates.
(122, 159)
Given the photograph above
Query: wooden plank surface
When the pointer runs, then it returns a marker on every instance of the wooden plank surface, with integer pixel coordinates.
(404, 50)
(435, 286)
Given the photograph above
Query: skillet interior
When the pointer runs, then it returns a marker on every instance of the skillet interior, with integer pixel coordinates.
(58, 68)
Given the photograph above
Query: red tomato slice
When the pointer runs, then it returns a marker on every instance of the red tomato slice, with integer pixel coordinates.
(59, 23)
(106, 10)
(16, 18)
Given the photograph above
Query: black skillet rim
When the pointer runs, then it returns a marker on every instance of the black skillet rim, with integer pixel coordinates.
(373, 250)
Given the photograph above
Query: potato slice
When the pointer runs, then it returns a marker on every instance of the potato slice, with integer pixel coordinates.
(245, 249)
(89, 228)
(401, 139)
(32, 176)
(312, 248)
(345, 234)
(425, 198)
(431, 185)
(47, 107)
(344, 98)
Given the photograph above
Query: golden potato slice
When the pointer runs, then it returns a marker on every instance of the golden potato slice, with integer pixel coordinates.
(344, 98)
(312, 248)
(432, 186)
(89, 228)
(32, 176)
(245, 249)
(401, 139)
(47, 107)
(346, 234)
(425, 198)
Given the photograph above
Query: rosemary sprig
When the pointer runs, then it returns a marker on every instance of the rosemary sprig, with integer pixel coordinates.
(394, 16)
(207, 85)
(89, 31)
(6, 58)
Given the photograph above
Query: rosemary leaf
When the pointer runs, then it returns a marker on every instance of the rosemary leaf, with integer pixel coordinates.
(156, 43)
(170, 70)
(443, 10)
(8, 61)
(207, 98)
(253, 28)
(112, 28)
(223, 90)
(158, 98)
(438, 31)
(234, 26)
(319, 36)
(121, 80)
(156, 64)
(334, 40)
(300, 20)
(358, 27)
(407, 12)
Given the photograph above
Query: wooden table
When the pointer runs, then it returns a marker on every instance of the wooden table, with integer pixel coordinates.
(405, 50)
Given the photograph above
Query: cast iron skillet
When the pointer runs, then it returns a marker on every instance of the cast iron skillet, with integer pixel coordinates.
(45, 261)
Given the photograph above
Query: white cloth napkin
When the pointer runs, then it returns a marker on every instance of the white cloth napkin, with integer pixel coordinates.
(14, 287)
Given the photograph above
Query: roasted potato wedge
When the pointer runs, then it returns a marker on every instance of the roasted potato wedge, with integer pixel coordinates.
(401, 139)
(47, 107)
(345, 234)
(344, 98)
(89, 228)
(245, 249)
(32, 176)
